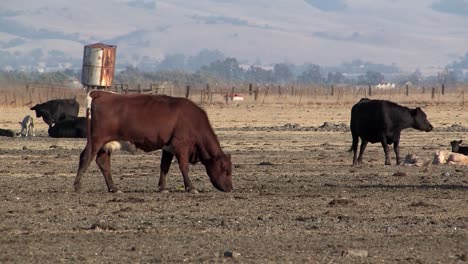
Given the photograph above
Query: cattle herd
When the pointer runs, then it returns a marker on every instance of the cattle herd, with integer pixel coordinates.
(181, 129)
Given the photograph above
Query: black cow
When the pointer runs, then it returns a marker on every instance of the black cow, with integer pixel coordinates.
(382, 121)
(68, 127)
(6, 133)
(457, 148)
(51, 111)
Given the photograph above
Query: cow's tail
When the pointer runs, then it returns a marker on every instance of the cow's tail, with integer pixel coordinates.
(89, 100)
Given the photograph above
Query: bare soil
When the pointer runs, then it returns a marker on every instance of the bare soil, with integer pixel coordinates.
(297, 198)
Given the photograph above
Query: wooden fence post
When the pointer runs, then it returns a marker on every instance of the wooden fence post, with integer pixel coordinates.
(370, 91)
(265, 94)
(463, 96)
(407, 90)
(443, 89)
(250, 89)
(332, 92)
(300, 96)
(433, 93)
(232, 92)
(187, 91)
(256, 93)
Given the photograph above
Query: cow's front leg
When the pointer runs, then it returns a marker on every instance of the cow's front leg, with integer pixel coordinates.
(396, 148)
(385, 148)
(184, 168)
(166, 160)
(103, 162)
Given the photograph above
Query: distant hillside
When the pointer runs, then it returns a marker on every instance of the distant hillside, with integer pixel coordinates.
(51, 34)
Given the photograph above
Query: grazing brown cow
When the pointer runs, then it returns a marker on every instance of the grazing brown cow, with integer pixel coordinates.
(151, 122)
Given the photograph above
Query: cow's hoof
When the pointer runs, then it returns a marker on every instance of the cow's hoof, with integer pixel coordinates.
(193, 191)
(77, 188)
(163, 191)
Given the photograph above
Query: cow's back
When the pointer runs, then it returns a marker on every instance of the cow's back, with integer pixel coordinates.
(155, 118)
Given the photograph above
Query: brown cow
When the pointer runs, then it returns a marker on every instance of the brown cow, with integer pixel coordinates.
(151, 122)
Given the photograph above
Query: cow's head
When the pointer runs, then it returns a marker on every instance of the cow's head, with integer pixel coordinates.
(219, 169)
(455, 145)
(44, 113)
(420, 120)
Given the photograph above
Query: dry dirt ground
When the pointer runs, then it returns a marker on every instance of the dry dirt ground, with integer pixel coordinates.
(296, 198)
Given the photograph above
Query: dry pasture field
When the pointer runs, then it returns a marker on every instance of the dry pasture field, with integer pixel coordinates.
(297, 199)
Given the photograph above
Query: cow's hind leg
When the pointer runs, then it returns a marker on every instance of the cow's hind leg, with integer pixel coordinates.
(386, 151)
(166, 160)
(361, 150)
(86, 157)
(354, 148)
(103, 162)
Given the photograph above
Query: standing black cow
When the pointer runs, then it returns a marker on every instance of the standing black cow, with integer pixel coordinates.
(51, 111)
(382, 121)
(68, 127)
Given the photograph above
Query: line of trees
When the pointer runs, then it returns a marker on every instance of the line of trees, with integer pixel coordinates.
(229, 70)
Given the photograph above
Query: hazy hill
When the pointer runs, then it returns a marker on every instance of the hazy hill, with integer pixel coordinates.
(412, 34)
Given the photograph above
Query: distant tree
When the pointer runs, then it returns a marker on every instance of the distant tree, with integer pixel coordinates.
(257, 74)
(447, 77)
(203, 58)
(371, 77)
(227, 69)
(415, 77)
(173, 62)
(460, 64)
(335, 78)
(130, 75)
(282, 73)
(311, 75)
(57, 77)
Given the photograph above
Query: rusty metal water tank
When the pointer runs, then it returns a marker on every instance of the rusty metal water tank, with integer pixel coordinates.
(98, 65)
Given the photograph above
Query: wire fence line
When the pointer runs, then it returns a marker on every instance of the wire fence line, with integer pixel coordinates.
(30, 94)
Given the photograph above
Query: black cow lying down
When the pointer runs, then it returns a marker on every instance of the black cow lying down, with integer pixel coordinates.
(75, 127)
(6, 133)
(51, 111)
(458, 148)
(382, 121)
(68, 127)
